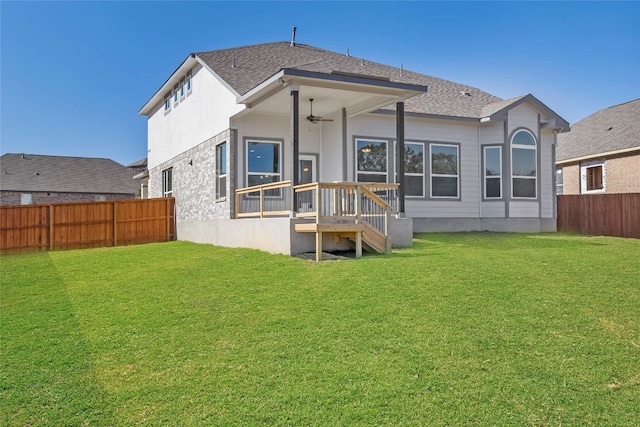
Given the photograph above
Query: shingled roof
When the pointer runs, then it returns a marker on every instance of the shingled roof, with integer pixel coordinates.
(244, 68)
(610, 130)
(38, 173)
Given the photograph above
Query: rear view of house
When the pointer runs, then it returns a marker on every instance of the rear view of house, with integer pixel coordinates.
(601, 154)
(329, 145)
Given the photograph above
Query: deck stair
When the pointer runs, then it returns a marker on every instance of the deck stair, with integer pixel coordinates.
(352, 210)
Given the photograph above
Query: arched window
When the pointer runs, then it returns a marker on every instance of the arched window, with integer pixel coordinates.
(524, 165)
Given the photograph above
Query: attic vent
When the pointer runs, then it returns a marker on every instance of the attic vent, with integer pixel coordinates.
(293, 36)
(464, 92)
(360, 76)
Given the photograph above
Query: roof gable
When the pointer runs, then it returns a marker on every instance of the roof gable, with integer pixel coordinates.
(33, 172)
(612, 129)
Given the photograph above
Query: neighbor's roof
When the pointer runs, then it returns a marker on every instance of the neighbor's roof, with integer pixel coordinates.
(244, 68)
(33, 172)
(139, 164)
(611, 130)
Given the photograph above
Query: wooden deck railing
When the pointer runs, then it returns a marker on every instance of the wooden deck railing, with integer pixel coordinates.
(273, 199)
(338, 206)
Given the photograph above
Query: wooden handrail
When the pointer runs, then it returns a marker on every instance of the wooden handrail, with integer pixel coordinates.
(270, 186)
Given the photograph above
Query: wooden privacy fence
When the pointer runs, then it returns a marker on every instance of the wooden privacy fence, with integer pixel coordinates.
(600, 214)
(30, 228)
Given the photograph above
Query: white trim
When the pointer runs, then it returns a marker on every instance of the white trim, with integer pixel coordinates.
(386, 159)
(422, 175)
(246, 157)
(484, 171)
(584, 170)
(534, 148)
(434, 175)
(597, 156)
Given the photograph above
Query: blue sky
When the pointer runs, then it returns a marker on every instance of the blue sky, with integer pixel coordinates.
(75, 74)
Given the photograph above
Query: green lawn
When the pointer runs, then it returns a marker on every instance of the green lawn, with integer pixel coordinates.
(462, 329)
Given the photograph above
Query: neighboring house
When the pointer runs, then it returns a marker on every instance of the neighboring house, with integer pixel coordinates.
(143, 176)
(601, 154)
(139, 166)
(35, 179)
(234, 118)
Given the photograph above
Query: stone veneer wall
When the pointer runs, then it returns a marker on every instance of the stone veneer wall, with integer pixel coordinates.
(194, 180)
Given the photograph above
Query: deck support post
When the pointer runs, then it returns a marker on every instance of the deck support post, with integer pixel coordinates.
(358, 220)
(319, 246)
(400, 155)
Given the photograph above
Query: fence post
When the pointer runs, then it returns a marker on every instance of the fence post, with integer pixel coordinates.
(167, 213)
(115, 225)
(50, 227)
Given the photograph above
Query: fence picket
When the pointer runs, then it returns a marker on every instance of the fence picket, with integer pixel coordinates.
(615, 215)
(85, 225)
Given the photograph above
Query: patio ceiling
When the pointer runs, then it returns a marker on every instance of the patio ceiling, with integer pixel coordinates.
(330, 93)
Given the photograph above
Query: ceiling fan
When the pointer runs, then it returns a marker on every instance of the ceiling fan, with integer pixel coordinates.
(315, 119)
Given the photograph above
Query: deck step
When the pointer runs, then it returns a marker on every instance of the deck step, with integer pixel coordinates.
(328, 228)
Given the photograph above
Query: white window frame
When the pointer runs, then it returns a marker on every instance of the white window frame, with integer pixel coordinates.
(422, 175)
(176, 96)
(182, 89)
(189, 83)
(488, 177)
(372, 173)
(559, 181)
(263, 141)
(221, 178)
(167, 102)
(434, 175)
(584, 173)
(167, 182)
(26, 199)
(534, 148)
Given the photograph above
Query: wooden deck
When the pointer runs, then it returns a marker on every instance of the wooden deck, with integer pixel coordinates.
(358, 211)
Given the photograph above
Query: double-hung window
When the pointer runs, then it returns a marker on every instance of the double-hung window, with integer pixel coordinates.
(264, 162)
(167, 182)
(492, 172)
(221, 171)
(188, 83)
(414, 169)
(445, 166)
(523, 165)
(559, 182)
(175, 95)
(371, 162)
(594, 177)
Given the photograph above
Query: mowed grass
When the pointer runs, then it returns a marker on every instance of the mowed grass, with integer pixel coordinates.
(462, 329)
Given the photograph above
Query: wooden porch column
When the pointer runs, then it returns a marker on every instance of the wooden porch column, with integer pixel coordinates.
(400, 155)
(295, 138)
(295, 131)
